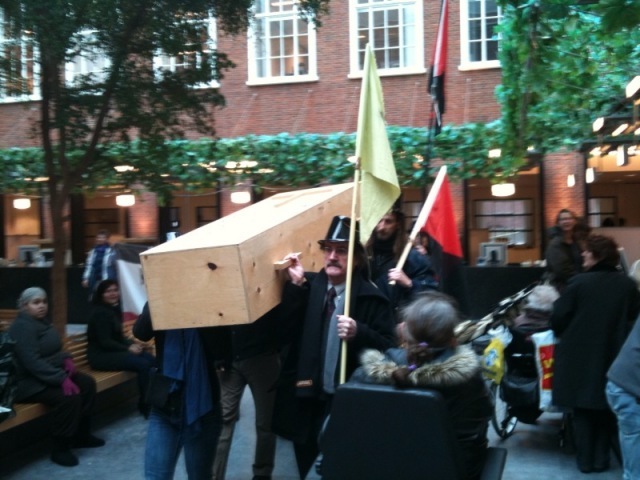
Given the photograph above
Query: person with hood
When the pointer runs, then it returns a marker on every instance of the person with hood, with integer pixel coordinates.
(431, 358)
(46, 374)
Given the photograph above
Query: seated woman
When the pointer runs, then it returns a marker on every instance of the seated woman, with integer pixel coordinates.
(46, 374)
(108, 349)
(432, 359)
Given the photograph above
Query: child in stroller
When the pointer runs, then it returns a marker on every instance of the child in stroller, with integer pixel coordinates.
(519, 388)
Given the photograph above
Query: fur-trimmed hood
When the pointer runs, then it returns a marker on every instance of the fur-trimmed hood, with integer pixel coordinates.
(454, 370)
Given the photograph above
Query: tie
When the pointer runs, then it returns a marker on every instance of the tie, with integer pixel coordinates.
(333, 343)
(330, 305)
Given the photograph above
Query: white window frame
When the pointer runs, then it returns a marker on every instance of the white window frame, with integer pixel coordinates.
(465, 61)
(311, 74)
(171, 63)
(35, 66)
(384, 5)
(88, 61)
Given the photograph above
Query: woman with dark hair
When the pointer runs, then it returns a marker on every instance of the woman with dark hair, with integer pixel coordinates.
(563, 255)
(107, 348)
(46, 374)
(433, 359)
(592, 318)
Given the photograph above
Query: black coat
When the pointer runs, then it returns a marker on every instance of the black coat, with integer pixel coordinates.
(107, 348)
(591, 318)
(300, 377)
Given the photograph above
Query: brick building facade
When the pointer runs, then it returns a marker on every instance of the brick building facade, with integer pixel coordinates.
(330, 104)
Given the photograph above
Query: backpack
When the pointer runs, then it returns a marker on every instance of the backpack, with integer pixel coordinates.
(8, 380)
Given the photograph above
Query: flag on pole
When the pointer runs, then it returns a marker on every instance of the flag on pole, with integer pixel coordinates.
(444, 245)
(132, 291)
(438, 68)
(380, 187)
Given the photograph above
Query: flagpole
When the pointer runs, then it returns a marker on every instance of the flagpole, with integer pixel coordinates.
(423, 215)
(347, 290)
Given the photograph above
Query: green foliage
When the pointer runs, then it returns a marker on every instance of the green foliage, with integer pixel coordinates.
(564, 63)
(302, 160)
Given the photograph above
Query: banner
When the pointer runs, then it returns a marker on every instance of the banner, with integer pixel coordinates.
(133, 294)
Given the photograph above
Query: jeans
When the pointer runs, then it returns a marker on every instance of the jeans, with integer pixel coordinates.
(627, 409)
(168, 435)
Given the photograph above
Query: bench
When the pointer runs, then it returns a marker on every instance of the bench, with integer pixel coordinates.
(76, 345)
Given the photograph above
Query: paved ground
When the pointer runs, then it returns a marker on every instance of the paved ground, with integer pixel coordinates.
(534, 453)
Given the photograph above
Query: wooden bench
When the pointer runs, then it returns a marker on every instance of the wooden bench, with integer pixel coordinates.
(76, 345)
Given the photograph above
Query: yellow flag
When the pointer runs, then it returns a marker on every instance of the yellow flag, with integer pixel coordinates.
(380, 187)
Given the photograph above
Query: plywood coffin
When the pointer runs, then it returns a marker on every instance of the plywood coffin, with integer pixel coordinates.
(223, 273)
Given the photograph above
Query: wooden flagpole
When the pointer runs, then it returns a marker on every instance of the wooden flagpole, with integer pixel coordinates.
(347, 291)
(424, 215)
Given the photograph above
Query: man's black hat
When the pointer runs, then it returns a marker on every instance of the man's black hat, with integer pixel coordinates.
(339, 230)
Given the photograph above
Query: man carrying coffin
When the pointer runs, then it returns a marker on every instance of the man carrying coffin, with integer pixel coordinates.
(314, 304)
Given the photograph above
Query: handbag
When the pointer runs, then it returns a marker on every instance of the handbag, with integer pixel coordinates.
(159, 394)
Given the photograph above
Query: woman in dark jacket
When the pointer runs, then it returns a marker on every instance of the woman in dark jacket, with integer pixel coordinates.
(433, 359)
(592, 318)
(107, 348)
(46, 374)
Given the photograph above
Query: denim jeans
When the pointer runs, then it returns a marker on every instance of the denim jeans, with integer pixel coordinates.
(167, 435)
(627, 409)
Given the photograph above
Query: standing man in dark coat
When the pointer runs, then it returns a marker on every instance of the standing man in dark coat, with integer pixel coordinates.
(385, 247)
(592, 318)
(310, 373)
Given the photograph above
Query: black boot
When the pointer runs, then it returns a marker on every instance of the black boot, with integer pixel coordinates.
(83, 438)
(62, 454)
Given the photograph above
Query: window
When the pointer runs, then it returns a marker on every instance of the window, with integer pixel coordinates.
(602, 212)
(282, 46)
(479, 40)
(506, 220)
(394, 28)
(89, 61)
(18, 55)
(204, 35)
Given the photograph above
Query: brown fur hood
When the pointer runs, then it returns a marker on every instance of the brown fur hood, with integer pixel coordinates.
(455, 370)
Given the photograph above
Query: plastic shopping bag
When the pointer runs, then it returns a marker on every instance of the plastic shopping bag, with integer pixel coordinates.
(493, 361)
(544, 353)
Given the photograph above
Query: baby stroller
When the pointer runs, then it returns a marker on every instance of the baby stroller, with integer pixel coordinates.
(517, 395)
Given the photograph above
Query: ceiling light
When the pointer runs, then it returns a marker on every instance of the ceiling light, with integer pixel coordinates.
(633, 86)
(503, 189)
(621, 128)
(126, 200)
(240, 197)
(622, 156)
(598, 124)
(21, 203)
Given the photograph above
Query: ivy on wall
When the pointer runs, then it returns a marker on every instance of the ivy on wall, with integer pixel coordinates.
(302, 160)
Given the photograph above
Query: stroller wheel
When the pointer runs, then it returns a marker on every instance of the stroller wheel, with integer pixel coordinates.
(503, 421)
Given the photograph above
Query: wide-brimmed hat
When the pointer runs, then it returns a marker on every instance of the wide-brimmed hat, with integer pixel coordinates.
(339, 230)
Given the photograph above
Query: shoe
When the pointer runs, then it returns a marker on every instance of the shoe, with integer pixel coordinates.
(66, 458)
(88, 442)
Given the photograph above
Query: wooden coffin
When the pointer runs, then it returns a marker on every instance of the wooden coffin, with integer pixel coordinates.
(223, 273)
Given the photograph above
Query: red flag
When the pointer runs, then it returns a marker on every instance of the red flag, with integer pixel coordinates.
(441, 223)
(444, 246)
(438, 67)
